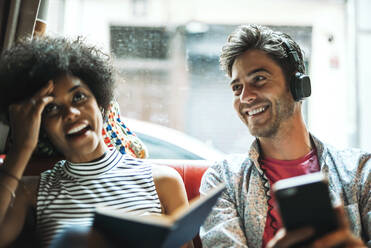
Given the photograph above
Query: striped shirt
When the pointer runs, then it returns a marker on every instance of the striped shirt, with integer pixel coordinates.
(69, 192)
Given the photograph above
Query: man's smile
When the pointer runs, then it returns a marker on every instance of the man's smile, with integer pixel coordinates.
(256, 111)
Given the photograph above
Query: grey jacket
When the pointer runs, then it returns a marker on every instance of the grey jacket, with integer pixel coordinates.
(238, 219)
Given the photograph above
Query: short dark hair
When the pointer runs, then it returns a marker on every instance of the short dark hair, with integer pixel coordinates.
(248, 37)
(30, 64)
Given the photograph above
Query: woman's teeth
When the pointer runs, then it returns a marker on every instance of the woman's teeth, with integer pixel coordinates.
(77, 129)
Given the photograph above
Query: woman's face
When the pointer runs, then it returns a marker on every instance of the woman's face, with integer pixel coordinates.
(73, 120)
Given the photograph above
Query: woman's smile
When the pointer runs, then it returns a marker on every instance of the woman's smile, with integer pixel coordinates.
(79, 132)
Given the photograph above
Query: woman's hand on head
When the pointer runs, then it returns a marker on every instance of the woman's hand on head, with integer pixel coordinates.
(25, 118)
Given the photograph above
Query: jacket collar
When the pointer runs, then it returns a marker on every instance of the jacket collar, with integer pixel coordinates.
(255, 152)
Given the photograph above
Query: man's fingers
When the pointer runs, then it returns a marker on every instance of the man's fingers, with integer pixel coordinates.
(279, 235)
(331, 240)
(341, 217)
(288, 239)
(296, 236)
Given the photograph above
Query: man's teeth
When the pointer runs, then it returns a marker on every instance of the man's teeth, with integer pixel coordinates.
(77, 129)
(256, 111)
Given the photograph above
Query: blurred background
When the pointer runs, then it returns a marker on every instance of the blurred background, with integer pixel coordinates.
(166, 57)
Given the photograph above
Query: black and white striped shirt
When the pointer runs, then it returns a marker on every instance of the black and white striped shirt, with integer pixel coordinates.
(69, 193)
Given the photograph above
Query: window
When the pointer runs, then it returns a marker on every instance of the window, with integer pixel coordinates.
(166, 56)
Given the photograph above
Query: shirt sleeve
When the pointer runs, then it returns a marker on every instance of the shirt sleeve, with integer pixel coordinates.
(365, 201)
(223, 227)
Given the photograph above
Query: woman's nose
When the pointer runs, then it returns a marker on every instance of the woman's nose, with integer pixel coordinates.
(70, 113)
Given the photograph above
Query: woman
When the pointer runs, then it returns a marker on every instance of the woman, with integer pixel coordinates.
(61, 89)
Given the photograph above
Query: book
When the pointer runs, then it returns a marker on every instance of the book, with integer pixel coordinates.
(125, 229)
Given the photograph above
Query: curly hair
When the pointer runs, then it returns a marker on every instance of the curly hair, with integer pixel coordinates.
(30, 64)
(248, 37)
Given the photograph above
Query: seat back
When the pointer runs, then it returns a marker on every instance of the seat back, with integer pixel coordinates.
(191, 172)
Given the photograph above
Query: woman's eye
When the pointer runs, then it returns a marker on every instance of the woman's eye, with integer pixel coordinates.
(78, 97)
(51, 109)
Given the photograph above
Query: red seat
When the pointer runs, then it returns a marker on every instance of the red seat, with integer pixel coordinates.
(191, 172)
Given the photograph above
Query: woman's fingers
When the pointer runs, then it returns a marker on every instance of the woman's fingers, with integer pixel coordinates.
(42, 97)
(44, 91)
(41, 103)
(37, 101)
(29, 112)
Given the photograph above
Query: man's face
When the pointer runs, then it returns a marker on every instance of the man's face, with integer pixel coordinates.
(261, 97)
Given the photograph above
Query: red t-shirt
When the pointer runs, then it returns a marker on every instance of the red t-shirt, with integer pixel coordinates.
(280, 169)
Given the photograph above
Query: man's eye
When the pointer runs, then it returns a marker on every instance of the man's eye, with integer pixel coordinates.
(237, 88)
(78, 97)
(51, 109)
(258, 79)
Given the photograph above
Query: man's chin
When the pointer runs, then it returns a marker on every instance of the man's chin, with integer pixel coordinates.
(262, 132)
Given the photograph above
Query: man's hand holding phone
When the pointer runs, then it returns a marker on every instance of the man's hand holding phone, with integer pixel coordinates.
(341, 237)
(308, 216)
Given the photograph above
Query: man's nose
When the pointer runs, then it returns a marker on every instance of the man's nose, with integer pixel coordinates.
(71, 113)
(248, 95)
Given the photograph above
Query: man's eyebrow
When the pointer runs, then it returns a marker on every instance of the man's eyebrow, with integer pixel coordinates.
(249, 74)
(257, 70)
(234, 81)
(74, 88)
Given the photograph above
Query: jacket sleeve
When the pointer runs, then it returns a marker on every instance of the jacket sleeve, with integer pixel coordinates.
(365, 201)
(223, 227)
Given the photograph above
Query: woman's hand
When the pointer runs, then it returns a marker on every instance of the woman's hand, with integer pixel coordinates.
(25, 119)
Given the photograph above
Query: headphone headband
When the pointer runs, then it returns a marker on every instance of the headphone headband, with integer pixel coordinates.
(291, 52)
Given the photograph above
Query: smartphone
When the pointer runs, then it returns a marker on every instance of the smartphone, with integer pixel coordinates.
(304, 201)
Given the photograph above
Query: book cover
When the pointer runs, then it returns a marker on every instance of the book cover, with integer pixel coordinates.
(132, 230)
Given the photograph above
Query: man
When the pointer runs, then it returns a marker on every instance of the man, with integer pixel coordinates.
(268, 83)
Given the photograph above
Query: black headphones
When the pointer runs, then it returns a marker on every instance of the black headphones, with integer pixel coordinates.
(299, 83)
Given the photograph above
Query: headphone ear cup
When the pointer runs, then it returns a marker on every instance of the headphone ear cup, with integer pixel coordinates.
(300, 86)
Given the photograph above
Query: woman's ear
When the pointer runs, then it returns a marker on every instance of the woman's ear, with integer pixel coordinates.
(103, 111)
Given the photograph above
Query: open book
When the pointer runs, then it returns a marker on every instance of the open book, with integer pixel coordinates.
(129, 230)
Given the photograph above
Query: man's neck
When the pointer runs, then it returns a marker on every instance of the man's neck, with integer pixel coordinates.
(291, 142)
